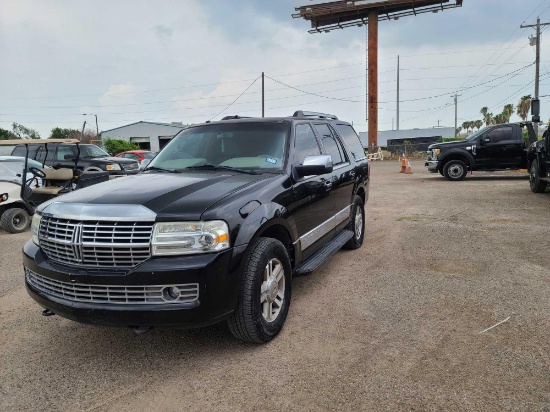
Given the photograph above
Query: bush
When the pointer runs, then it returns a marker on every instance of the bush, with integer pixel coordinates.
(115, 146)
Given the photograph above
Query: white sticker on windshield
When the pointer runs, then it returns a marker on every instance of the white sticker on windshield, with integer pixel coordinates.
(271, 160)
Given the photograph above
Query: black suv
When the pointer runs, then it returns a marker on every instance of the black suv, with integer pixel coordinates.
(538, 158)
(89, 157)
(500, 147)
(221, 220)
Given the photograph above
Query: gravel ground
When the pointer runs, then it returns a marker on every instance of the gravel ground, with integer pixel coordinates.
(394, 325)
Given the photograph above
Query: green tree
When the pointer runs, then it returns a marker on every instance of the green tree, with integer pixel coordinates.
(23, 132)
(507, 112)
(60, 133)
(6, 134)
(478, 124)
(487, 117)
(115, 146)
(466, 126)
(524, 105)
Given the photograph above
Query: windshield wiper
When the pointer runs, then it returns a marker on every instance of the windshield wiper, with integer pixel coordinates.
(160, 169)
(220, 167)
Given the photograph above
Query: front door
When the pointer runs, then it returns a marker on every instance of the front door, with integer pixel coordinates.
(502, 147)
(343, 175)
(314, 203)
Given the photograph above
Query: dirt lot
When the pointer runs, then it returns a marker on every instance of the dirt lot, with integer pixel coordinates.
(393, 326)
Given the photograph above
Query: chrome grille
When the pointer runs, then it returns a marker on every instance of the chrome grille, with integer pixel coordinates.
(130, 166)
(124, 295)
(95, 243)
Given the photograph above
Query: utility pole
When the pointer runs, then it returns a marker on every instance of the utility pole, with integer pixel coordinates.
(96, 126)
(373, 79)
(263, 97)
(456, 113)
(397, 92)
(82, 134)
(537, 59)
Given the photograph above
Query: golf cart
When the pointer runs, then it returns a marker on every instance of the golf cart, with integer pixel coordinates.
(21, 193)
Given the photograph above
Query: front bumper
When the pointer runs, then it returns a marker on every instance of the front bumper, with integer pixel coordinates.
(215, 274)
(431, 165)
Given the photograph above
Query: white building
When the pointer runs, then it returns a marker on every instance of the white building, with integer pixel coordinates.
(148, 135)
(408, 134)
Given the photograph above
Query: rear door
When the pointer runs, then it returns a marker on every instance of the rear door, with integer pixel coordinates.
(314, 203)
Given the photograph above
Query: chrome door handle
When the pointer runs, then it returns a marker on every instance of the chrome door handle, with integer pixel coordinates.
(352, 173)
(328, 184)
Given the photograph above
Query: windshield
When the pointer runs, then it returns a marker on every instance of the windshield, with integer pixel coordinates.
(17, 166)
(255, 145)
(476, 134)
(90, 150)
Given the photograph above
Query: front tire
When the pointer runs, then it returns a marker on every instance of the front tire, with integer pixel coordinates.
(357, 224)
(537, 186)
(265, 292)
(15, 220)
(455, 170)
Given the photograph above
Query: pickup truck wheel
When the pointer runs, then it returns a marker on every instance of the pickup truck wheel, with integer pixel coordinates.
(264, 295)
(357, 224)
(537, 186)
(455, 170)
(15, 220)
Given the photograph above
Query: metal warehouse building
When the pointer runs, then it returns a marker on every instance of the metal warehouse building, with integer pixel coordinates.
(410, 134)
(148, 135)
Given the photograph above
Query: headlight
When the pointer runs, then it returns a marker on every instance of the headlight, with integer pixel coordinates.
(35, 227)
(114, 166)
(185, 238)
(436, 152)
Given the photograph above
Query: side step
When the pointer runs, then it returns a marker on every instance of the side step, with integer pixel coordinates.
(323, 254)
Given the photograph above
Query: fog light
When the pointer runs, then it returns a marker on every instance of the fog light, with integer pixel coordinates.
(170, 293)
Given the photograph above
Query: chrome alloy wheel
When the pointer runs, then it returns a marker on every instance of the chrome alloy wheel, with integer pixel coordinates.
(272, 290)
(358, 223)
(455, 171)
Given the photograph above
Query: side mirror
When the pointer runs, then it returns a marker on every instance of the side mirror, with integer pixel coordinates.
(315, 165)
(144, 163)
(68, 157)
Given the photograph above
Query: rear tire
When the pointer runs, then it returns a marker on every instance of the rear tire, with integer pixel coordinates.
(264, 295)
(455, 170)
(15, 220)
(357, 224)
(537, 186)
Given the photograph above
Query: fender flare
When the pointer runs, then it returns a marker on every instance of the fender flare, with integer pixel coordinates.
(463, 153)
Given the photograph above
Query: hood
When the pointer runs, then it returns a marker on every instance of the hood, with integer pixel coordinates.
(183, 196)
(445, 145)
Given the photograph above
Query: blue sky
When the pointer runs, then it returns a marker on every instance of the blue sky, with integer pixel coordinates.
(188, 60)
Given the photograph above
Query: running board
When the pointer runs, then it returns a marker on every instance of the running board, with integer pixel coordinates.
(323, 254)
(545, 179)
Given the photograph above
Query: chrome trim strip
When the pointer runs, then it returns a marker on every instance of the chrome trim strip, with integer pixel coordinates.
(318, 232)
(113, 213)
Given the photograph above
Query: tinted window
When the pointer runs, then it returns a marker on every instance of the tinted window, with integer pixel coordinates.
(149, 155)
(501, 134)
(21, 151)
(351, 140)
(305, 143)
(63, 151)
(331, 144)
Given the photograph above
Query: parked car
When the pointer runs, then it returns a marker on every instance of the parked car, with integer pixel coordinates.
(90, 158)
(500, 147)
(539, 163)
(138, 155)
(225, 216)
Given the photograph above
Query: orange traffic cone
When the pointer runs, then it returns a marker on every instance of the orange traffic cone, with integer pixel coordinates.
(403, 164)
(409, 170)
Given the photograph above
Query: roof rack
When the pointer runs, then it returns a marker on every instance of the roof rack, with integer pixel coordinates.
(235, 117)
(301, 113)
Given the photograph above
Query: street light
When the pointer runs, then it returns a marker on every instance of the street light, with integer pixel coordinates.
(96, 126)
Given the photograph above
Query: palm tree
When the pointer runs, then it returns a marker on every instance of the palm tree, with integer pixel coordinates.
(478, 124)
(466, 126)
(524, 106)
(486, 115)
(507, 112)
(500, 118)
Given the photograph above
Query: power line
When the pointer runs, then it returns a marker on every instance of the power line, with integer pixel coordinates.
(231, 104)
